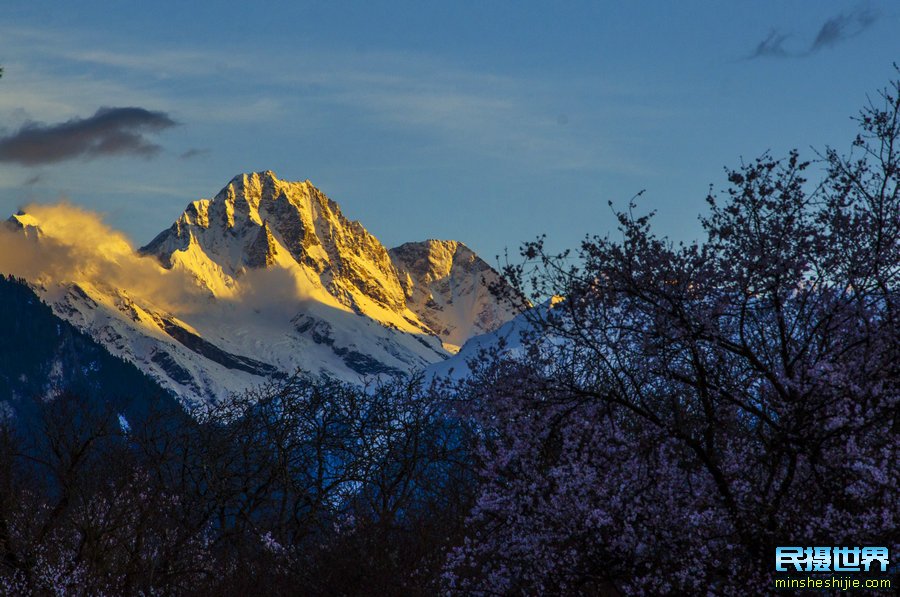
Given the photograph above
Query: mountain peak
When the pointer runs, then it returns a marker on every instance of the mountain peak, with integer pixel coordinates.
(22, 219)
(286, 281)
(257, 217)
(433, 259)
(260, 221)
(25, 223)
(448, 285)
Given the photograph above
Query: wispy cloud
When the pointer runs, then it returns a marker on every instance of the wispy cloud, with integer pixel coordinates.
(509, 118)
(842, 27)
(162, 63)
(772, 45)
(110, 131)
(194, 153)
(33, 180)
(79, 246)
(833, 31)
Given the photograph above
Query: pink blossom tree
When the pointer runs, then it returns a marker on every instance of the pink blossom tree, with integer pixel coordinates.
(685, 408)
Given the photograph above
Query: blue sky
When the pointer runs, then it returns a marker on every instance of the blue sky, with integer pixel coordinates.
(485, 122)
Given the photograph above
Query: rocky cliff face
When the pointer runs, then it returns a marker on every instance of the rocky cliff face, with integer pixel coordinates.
(448, 287)
(255, 214)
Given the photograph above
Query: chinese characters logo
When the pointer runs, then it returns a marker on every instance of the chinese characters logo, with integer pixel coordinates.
(832, 559)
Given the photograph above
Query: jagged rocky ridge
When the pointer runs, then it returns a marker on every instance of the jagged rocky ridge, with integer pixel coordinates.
(283, 280)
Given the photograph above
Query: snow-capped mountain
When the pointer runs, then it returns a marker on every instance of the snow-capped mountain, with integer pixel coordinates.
(508, 340)
(265, 278)
(448, 287)
(258, 221)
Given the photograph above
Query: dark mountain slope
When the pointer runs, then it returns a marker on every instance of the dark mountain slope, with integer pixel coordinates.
(42, 355)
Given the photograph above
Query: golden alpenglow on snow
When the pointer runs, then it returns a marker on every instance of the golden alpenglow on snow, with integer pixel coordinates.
(266, 277)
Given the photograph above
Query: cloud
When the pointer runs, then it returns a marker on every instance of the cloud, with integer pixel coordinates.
(833, 31)
(842, 27)
(194, 153)
(110, 131)
(772, 46)
(61, 244)
(75, 245)
(273, 293)
(509, 118)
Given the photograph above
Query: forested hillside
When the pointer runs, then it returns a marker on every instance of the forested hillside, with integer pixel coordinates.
(42, 355)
